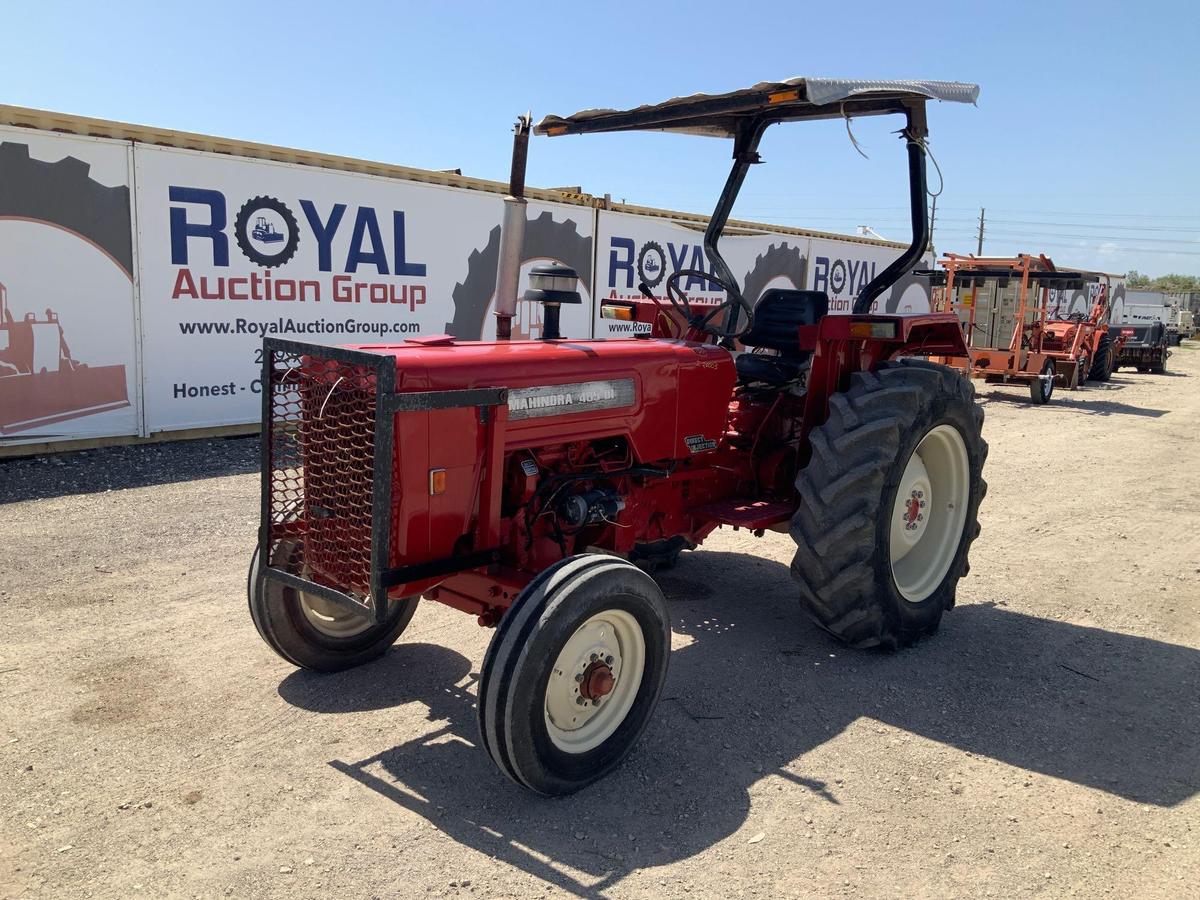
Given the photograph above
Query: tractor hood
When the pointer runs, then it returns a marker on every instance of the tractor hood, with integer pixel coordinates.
(719, 115)
(658, 393)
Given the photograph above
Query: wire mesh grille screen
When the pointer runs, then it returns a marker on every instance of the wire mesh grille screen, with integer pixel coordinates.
(322, 464)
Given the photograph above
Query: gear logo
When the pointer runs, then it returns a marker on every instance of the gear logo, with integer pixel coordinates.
(266, 232)
(652, 264)
(837, 276)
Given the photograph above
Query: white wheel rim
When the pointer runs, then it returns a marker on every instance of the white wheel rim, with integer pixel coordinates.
(575, 721)
(929, 513)
(331, 619)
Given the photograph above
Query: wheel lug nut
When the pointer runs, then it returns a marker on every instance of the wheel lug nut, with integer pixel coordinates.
(608, 660)
(579, 677)
(595, 657)
(580, 701)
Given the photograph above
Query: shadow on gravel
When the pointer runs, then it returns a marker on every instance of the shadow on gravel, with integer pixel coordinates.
(118, 468)
(758, 688)
(1091, 407)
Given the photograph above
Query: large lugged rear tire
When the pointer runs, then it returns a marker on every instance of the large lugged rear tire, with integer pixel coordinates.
(1102, 365)
(311, 632)
(889, 504)
(573, 673)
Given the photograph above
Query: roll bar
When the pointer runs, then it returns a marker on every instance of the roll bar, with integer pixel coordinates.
(745, 115)
(745, 154)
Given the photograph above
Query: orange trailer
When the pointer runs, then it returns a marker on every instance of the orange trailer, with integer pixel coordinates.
(1003, 305)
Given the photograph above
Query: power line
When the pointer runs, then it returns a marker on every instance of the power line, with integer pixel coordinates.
(1010, 232)
(1098, 225)
(1090, 214)
(973, 220)
(957, 226)
(1063, 212)
(1093, 249)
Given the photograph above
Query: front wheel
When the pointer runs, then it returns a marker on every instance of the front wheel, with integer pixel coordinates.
(889, 504)
(573, 673)
(314, 633)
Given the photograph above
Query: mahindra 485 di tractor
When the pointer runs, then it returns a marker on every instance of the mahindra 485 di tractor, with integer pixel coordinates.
(533, 483)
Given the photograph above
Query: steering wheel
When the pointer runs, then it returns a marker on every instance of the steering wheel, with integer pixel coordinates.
(703, 322)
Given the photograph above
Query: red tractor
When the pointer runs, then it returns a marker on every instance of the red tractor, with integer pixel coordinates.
(533, 483)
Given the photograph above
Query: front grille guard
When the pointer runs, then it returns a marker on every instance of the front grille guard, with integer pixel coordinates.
(328, 441)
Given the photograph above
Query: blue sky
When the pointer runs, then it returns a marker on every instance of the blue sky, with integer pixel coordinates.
(1084, 143)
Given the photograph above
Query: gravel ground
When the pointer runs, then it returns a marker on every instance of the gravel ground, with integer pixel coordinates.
(1046, 741)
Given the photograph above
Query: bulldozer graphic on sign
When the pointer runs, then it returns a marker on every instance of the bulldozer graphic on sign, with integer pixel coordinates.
(41, 383)
(264, 231)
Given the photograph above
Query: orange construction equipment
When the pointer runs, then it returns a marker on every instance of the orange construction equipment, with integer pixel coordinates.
(1003, 304)
(41, 383)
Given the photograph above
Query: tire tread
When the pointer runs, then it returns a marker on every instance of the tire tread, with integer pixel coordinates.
(840, 495)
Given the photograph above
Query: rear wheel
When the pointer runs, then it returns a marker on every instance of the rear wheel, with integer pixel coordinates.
(573, 673)
(1041, 389)
(314, 633)
(889, 503)
(1159, 367)
(1102, 366)
(1083, 365)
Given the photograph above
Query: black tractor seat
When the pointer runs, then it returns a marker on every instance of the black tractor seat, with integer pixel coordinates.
(778, 316)
(767, 368)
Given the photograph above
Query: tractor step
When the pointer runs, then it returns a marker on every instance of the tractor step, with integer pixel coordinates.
(753, 514)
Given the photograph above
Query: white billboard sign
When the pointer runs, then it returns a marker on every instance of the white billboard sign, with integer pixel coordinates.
(110, 330)
(232, 250)
(68, 357)
(631, 249)
(843, 268)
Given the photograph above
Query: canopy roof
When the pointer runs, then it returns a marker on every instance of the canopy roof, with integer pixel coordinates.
(719, 115)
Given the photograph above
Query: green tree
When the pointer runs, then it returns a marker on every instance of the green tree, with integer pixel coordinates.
(1172, 283)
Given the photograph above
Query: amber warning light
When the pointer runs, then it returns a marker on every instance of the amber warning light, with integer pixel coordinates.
(613, 311)
(872, 329)
(437, 481)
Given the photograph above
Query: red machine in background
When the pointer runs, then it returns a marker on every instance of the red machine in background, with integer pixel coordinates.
(1003, 304)
(532, 483)
(40, 382)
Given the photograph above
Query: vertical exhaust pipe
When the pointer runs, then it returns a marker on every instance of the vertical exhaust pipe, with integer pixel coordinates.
(512, 232)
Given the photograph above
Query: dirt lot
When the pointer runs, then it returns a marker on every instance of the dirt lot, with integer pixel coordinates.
(1047, 741)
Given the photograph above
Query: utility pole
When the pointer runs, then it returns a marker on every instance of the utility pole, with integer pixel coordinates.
(979, 249)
